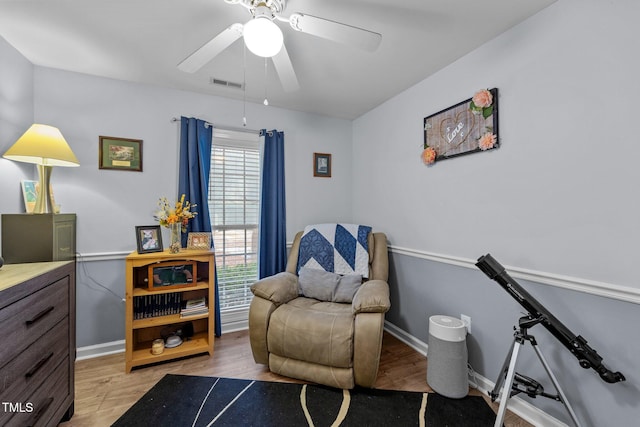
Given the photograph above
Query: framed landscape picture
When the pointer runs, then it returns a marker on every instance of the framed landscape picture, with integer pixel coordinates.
(120, 154)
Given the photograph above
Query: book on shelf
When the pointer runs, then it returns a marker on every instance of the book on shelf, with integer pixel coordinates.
(155, 305)
(194, 307)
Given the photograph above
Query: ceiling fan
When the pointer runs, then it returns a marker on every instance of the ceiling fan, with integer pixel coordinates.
(261, 28)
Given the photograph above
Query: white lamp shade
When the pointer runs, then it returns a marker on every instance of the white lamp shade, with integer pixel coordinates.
(262, 37)
(42, 145)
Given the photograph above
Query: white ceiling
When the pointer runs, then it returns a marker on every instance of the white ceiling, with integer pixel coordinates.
(144, 40)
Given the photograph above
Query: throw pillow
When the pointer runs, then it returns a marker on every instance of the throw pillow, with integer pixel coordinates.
(326, 286)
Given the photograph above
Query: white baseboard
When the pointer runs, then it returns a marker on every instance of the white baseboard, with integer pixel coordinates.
(104, 349)
(518, 406)
(410, 340)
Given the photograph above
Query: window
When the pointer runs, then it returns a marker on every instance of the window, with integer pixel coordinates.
(234, 203)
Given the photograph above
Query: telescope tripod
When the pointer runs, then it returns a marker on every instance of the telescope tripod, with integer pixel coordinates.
(513, 383)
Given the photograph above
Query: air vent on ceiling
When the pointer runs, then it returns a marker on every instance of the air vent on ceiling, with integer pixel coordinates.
(220, 82)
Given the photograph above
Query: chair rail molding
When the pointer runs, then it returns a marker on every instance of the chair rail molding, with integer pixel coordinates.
(101, 256)
(592, 287)
(602, 289)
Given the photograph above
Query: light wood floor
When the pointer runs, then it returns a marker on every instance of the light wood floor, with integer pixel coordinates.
(104, 392)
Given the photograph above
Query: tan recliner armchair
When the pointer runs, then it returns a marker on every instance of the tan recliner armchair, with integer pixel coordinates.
(331, 343)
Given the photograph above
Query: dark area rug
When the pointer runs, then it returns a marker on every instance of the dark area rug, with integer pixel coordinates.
(183, 400)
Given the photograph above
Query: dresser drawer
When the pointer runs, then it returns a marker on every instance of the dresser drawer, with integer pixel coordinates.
(26, 320)
(36, 363)
(38, 408)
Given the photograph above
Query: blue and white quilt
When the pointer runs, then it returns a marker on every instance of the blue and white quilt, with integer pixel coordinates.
(338, 248)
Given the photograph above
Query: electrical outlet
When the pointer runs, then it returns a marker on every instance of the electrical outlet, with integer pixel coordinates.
(467, 322)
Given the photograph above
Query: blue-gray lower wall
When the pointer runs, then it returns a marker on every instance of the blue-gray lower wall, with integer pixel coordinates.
(100, 300)
(421, 288)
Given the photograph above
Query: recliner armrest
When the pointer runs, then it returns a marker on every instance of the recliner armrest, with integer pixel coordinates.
(279, 288)
(372, 297)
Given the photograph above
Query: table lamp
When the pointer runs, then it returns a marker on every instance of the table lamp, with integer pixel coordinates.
(46, 147)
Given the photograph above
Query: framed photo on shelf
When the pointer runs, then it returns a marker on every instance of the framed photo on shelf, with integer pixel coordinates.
(120, 154)
(199, 241)
(148, 238)
(322, 165)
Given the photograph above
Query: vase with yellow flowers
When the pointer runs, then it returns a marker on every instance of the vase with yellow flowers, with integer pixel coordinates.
(176, 218)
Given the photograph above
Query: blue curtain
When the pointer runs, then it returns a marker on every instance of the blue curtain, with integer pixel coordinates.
(195, 163)
(272, 244)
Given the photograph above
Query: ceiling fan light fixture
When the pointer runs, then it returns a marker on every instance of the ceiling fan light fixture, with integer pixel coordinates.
(262, 37)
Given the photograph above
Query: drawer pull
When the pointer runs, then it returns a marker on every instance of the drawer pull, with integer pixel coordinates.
(39, 315)
(41, 411)
(31, 372)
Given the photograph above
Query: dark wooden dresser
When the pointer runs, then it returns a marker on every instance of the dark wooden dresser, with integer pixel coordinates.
(37, 343)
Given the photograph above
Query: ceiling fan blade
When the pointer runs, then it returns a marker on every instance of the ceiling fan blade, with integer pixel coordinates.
(335, 31)
(211, 49)
(284, 68)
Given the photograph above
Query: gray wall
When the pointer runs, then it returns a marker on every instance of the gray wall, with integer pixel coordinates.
(16, 115)
(109, 204)
(558, 199)
(560, 187)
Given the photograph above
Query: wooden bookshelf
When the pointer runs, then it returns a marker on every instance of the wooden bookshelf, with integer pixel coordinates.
(140, 332)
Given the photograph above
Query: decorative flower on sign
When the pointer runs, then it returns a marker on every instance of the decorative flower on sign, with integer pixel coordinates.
(179, 213)
(429, 156)
(482, 103)
(487, 141)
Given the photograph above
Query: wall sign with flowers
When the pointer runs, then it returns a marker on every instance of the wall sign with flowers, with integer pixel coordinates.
(467, 127)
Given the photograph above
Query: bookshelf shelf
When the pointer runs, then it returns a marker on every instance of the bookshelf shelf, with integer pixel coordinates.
(141, 355)
(150, 313)
(165, 320)
(140, 292)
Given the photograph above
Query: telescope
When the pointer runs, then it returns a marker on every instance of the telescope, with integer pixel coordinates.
(537, 313)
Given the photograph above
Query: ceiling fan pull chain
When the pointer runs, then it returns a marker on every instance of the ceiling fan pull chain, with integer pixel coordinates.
(244, 86)
(266, 101)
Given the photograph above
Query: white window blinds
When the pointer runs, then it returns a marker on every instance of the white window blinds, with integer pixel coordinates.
(234, 203)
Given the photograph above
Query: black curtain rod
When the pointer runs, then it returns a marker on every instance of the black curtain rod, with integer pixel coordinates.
(230, 128)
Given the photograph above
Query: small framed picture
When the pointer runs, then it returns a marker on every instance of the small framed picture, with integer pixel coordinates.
(29, 194)
(30, 191)
(322, 165)
(149, 238)
(120, 154)
(199, 241)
